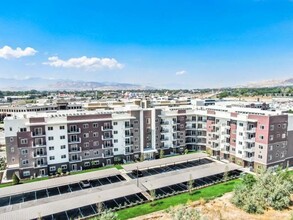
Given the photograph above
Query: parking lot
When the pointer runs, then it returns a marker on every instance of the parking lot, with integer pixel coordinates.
(171, 167)
(54, 191)
(93, 209)
(200, 182)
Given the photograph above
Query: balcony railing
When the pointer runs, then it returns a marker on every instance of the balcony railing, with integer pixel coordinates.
(164, 131)
(42, 164)
(75, 159)
(74, 141)
(164, 138)
(128, 134)
(75, 150)
(38, 134)
(250, 140)
(41, 144)
(248, 158)
(74, 131)
(38, 155)
(250, 130)
(106, 128)
(107, 145)
(107, 137)
(105, 155)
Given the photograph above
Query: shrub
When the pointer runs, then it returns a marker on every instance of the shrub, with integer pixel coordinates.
(15, 179)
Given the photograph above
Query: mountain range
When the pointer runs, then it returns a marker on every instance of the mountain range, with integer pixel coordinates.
(62, 84)
(269, 83)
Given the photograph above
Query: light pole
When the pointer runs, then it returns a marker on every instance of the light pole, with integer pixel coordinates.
(137, 176)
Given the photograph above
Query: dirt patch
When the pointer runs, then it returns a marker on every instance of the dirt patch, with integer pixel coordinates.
(222, 209)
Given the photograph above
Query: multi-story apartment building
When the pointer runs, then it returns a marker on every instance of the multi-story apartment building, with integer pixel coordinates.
(40, 143)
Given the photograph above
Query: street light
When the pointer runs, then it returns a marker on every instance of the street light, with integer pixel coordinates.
(137, 176)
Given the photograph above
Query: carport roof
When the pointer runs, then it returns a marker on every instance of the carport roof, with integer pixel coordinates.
(165, 161)
(70, 203)
(198, 172)
(44, 184)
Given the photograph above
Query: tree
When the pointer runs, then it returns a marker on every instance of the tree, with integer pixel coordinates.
(190, 184)
(161, 153)
(186, 151)
(2, 163)
(106, 215)
(141, 157)
(59, 170)
(226, 174)
(153, 196)
(15, 179)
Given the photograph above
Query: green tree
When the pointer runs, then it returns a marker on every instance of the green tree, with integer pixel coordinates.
(15, 179)
(59, 170)
(226, 174)
(161, 153)
(190, 184)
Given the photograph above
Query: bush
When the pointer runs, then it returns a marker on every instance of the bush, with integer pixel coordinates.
(15, 179)
(267, 189)
(59, 170)
(183, 212)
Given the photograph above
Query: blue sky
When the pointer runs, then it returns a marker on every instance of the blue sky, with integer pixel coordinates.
(167, 43)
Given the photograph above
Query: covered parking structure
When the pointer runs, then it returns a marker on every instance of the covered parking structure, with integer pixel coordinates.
(61, 185)
(206, 175)
(164, 162)
(83, 206)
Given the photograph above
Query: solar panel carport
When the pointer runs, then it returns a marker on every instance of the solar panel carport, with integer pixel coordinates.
(59, 206)
(165, 161)
(199, 172)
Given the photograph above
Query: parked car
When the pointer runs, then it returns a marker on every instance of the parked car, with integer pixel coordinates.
(137, 173)
(85, 184)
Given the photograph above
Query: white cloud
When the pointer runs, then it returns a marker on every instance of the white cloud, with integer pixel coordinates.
(7, 52)
(88, 63)
(178, 73)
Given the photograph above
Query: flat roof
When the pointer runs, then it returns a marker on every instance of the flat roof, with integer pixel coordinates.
(71, 203)
(159, 162)
(58, 181)
(198, 172)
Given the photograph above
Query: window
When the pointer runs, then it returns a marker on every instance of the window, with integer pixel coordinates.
(50, 138)
(95, 125)
(12, 149)
(240, 134)
(259, 156)
(241, 124)
(148, 121)
(261, 137)
(52, 158)
(277, 154)
(63, 147)
(283, 135)
(270, 157)
(86, 154)
(23, 141)
(10, 128)
(26, 173)
(24, 151)
(87, 164)
(24, 162)
(96, 152)
(278, 135)
(239, 152)
(262, 127)
(62, 127)
(50, 128)
(271, 147)
(85, 125)
(284, 126)
(22, 129)
(86, 135)
(115, 140)
(240, 143)
(86, 144)
(272, 127)
(53, 168)
(51, 148)
(96, 143)
(95, 134)
(115, 123)
(271, 137)
(115, 149)
(64, 167)
(63, 156)
(62, 137)
(115, 132)
(11, 139)
(279, 125)
(260, 147)
(95, 162)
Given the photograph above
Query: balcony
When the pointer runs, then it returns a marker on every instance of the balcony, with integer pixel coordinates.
(164, 138)
(129, 143)
(128, 126)
(250, 140)
(164, 130)
(191, 141)
(75, 159)
(74, 131)
(215, 147)
(248, 158)
(190, 128)
(105, 155)
(249, 149)
(40, 164)
(164, 123)
(41, 144)
(190, 134)
(129, 135)
(39, 155)
(250, 130)
(38, 134)
(106, 128)
(75, 141)
(107, 137)
(75, 150)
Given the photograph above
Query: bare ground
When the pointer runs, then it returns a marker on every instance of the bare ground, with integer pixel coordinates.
(222, 209)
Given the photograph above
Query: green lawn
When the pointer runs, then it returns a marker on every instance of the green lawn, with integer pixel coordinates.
(206, 193)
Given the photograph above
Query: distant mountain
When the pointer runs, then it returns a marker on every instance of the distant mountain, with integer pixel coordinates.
(61, 84)
(269, 83)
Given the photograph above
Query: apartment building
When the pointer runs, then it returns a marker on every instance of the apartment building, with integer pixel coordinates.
(40, 143)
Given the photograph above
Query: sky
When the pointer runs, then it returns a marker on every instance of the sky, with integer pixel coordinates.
(160, 43)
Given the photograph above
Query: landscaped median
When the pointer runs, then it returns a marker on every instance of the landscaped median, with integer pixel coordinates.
(207, 193)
